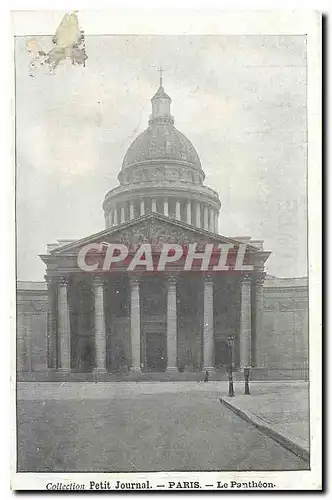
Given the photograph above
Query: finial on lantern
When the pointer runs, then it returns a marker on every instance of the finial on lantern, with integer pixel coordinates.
(161, 69)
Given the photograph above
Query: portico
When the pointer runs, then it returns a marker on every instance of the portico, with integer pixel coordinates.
(151, 322)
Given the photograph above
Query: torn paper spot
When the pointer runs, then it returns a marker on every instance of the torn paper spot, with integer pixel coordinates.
(68, 43)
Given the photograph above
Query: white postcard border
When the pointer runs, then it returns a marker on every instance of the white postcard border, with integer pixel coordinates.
(186, 21)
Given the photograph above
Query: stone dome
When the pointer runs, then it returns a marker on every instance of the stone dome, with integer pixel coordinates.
(162, 173)
(161, 141)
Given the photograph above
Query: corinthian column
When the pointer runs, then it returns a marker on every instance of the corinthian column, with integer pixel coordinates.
(211, 220)
(259, 354)
(51, 324)
(245, 327)
(216, 222)
(198, 214)
(206, 218)
(131, 210)
(171, 325)
(122, 214)
(177, 210)
(189, 212)
(64, 359)
(166, 207)
(142, 207)
(208, 335)
(135, 325)
(115, 219)
(100, 333)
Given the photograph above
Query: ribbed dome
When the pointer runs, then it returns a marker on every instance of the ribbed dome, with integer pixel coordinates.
(162, 173)
(161, 141)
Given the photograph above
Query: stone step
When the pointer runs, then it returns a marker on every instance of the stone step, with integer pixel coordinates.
(258, 374)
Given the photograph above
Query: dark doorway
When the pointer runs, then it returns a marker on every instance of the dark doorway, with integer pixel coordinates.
(222, 354)
(155, 351)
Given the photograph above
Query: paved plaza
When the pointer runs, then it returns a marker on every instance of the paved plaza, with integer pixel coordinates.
(282, 412)
(142, 427)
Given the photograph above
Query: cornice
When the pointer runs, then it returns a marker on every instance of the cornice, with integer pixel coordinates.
(169, 189)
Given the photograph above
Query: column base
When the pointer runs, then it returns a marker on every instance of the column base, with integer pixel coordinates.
(99, 370)
(243, 367)
(63, 370)
(171, 369)
(135, 369)
(208, 369)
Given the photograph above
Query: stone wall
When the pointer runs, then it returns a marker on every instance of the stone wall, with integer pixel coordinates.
(285, 324)
(32, 304)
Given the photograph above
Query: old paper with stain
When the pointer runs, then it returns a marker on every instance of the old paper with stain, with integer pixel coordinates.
(68, 43)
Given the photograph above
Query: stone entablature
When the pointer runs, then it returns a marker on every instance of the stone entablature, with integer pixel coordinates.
(278, 283)
(159, 170)
(285, 294)
(167, 188)
(156, 229)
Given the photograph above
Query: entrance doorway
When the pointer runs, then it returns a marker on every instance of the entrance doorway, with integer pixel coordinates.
(155, 351)
(222, 355)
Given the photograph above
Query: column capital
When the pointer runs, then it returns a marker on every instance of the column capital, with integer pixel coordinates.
(208, 279)
(134, 281)
(247, 278)
(50, 280)
(98, 280)
(61, 280)
(259, 280)
(171, 280)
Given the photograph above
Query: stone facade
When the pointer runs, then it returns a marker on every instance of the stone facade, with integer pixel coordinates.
(165, 322)
(285, 343)
(281, 352)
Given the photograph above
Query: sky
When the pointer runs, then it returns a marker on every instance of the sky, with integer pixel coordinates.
(241, 100)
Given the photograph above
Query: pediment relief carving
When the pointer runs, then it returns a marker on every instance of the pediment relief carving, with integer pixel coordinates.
(150, 230)
(156, 233)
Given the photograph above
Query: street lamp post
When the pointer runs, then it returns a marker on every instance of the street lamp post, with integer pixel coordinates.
(231, 342)
(246, 381)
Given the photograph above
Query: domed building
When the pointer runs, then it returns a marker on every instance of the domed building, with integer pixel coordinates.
(113, 307)
(162, 173)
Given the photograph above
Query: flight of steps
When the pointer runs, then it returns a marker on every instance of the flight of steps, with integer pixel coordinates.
(258, 374)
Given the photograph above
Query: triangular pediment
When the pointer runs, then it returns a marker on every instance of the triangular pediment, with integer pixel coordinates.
(155, 229)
